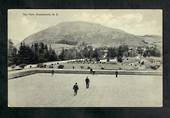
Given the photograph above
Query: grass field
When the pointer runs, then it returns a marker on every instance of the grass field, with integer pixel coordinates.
(45, 90)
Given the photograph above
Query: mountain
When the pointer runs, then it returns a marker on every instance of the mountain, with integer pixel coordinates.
(71, 34)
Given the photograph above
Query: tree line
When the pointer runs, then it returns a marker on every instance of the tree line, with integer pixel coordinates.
(37, 53)
(40, 52)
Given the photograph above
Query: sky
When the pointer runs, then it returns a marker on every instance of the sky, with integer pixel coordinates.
(24, 22)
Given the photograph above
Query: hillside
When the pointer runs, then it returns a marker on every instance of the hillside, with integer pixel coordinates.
(71, 34)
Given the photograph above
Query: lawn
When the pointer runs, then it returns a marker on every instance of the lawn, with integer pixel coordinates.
(130, 63)
(46, 90)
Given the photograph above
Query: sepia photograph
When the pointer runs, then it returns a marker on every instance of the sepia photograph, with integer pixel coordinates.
(85, 58)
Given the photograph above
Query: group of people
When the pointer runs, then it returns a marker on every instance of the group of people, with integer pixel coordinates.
(76, 87)
(87, 81)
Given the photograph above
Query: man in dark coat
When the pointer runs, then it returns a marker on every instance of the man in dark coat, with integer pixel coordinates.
(91, 70)
(52, 72)
(87, 82)
(75, 88)
(116, 73)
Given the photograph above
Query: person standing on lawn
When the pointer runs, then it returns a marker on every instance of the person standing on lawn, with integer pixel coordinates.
(75, 88)
(116, 73)
(52, 72)
(87, 82)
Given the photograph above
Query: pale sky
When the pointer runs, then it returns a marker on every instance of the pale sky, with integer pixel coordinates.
(24, 22)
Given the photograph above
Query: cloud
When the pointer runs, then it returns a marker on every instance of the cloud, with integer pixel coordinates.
(29, 26)
(22, 27)
(131, 18)
(111, 20)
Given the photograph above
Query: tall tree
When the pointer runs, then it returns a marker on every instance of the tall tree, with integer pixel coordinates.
(12, 53)
(62, 55)
(122, 49)
(25, 55)
(112, 52)
(52, 56)
(96, 54)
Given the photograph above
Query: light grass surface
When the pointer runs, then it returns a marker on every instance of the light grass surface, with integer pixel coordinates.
(45, 90)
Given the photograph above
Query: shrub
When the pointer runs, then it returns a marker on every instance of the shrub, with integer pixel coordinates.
(97, 59)
(61, 66)
(45, 66)
(13, 66)
(50, 66)
(142, 63)
(155, 67)
(81, 67)
(22, 65)
(40, 65)
(119, 59)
